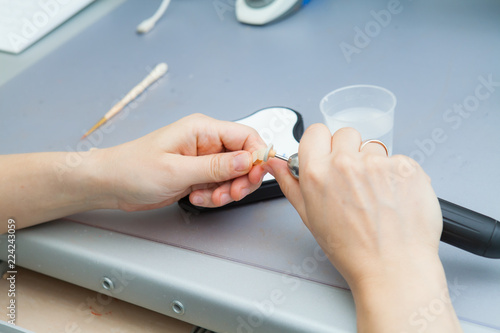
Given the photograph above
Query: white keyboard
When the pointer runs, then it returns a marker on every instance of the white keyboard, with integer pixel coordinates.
(23, 22)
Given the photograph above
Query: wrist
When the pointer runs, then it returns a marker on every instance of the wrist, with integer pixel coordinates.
(93, 181)
(407, 296)
(423, 270)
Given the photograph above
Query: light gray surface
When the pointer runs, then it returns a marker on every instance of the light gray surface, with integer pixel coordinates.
(217, 294)
(430, 55)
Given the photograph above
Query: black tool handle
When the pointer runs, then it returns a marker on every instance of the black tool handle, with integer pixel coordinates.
(469, 230)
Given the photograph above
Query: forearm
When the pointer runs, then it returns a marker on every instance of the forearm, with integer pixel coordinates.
(409, 300)
(39, 187)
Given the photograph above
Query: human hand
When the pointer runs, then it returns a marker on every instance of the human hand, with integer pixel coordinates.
(207, 158)
(362, 207)
(378, 220)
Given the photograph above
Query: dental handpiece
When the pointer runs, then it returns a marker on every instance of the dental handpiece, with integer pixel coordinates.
(462, 227)
(292, 162)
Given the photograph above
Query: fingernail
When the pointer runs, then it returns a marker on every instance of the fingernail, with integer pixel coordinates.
(197, 200)
(224, 199)
(241, 162)
(244, 192)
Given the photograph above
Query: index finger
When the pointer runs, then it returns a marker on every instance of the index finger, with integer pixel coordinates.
(316, 142)
(199, 134)
(236, 136)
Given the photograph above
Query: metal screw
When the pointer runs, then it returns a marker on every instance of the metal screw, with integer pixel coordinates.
(107, 283)
(178, 307)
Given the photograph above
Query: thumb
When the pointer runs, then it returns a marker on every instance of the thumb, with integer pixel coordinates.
(289, 185)
(216, 168)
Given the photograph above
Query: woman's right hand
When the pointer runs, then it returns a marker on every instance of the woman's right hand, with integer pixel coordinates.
(377, 219)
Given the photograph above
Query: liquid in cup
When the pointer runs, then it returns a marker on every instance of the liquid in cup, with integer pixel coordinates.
(368, 109)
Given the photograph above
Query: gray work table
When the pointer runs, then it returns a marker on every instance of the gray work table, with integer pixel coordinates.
(431, 54)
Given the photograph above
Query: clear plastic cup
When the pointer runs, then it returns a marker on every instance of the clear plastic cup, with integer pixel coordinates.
(368, 109)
